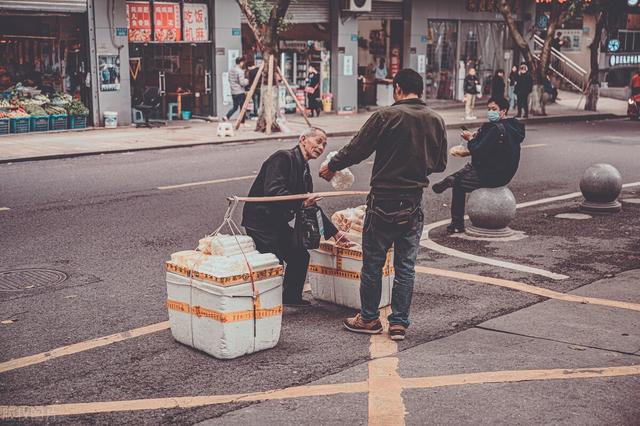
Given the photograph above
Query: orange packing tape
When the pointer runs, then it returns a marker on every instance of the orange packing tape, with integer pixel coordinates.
(324, 270)
(224, 317)
(225, 281)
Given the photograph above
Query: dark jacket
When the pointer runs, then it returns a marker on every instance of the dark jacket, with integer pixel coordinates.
(496, 159)
(284, 173)
(410, 142)
(470, 84)
(513, 76)
(253, 74)
(524, 84)
(497, 87)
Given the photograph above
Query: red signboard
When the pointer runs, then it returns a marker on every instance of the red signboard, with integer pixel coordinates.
(139, 21)
(166, 17)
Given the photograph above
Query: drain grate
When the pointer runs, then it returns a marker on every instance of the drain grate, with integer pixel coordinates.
(25, 279)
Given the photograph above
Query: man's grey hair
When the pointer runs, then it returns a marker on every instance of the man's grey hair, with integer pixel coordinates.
(313, 132)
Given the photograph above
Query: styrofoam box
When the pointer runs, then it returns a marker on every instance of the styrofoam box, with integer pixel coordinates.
(179, 293)
(343, 287)
(221, 317)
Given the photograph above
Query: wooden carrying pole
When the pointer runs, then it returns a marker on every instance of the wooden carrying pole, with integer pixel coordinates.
(269, 104)
(297, 196)
(293, 95)
(249, 96)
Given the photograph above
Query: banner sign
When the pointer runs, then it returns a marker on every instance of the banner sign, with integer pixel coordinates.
(167, 21)
(139, 21)
(196, 22)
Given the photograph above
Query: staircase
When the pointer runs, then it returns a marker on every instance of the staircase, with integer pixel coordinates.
(568, 71)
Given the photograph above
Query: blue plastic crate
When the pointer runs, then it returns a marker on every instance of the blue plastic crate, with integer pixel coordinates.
(4, 126)
(21, 125)
(40, 123)
(77, 121)
(58, 122)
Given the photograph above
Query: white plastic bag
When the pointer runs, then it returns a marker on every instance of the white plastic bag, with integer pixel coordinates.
(343, 179)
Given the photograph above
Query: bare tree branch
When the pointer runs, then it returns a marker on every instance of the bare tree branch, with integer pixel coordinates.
(281, 8)
(251, 21)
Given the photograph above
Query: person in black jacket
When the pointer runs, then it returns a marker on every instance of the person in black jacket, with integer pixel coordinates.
(286, 172)
(313, 92)
(410, 142)
(497, 85)
(495, 156)
(524, 86)
(471, 83)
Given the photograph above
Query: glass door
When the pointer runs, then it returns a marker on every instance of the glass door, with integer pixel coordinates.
(442, 39)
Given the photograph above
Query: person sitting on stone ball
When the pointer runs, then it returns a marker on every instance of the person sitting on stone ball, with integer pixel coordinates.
(495, 155)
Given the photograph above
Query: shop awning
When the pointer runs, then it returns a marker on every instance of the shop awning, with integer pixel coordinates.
(74, 6)
(383, 10)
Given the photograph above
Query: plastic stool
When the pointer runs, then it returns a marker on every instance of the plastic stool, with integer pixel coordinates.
(225, 129)
(137, 116)
(173, 111)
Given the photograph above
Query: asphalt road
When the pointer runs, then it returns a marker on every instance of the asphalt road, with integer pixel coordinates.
(104, 222)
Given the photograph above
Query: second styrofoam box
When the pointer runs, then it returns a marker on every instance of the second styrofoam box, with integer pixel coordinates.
(337, 280)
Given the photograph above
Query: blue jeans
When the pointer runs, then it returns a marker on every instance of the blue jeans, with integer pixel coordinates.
(377, 239)
(512, 98)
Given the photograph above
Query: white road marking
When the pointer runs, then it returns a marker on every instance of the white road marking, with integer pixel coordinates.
(4, 209)
(206, 182)
(535, 145)
(430, 244)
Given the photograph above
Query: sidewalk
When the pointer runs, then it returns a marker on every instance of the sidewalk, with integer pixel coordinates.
(39, 146)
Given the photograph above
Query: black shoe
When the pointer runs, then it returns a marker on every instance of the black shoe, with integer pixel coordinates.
(298, 304)
(441, 186)
(455, 229)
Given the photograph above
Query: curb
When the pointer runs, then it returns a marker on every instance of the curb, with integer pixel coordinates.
(535, 120)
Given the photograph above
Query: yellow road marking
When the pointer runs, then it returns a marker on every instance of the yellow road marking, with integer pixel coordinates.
(385, 404)
(514, 285)
(206, 182)
(32, 411)
(534, 145)
(81, 347)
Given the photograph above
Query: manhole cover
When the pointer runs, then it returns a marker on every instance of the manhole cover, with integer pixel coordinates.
(24, 279)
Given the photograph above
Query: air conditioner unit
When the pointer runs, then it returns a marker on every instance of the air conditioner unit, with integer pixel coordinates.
(357, 5)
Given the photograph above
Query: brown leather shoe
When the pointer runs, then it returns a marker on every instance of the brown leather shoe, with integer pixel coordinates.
(397, 331)
(358, 325)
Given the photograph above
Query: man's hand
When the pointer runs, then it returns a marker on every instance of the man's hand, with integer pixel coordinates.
(311, 201)
(326, 174)
(467, 135)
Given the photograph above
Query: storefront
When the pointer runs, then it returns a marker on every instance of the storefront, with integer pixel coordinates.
(305, 43)
(380, 50)
(622, 58)
(170, 52)
(44, 66)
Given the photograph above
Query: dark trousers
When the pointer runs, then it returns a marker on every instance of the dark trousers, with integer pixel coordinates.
(313, 103)
(377, 239)
(238, 100)
(279, 241)
(466, 180)
(523, 103)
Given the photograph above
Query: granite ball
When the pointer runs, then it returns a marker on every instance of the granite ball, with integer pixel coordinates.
(601, 183)
(491, 208)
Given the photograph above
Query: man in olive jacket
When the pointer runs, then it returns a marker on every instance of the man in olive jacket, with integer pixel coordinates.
(410, 143)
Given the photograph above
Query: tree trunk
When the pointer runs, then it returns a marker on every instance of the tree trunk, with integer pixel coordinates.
(536, 101)
(261, 124)
(592, 92)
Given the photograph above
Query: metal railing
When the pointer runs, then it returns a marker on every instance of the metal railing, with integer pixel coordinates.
(562, 66)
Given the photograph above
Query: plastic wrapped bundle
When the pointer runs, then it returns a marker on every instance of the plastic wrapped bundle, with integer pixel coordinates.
(226, 245)
(226, 266)
(188, 258)
(343, 179)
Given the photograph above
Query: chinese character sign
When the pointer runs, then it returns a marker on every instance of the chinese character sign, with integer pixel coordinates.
(196, 22)
(167, 21)
(139, 21)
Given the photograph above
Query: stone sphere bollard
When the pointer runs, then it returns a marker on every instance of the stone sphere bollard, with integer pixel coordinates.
(600, 185)
(490, 211)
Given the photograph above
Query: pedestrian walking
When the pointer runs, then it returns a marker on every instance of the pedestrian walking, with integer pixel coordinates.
(523, 88)
(312, 90)
(497, 84)
(512, 82)
(237, 82)
(495, 155)
(253, 75)
(471, 90)
(286, 172)
(410, 142)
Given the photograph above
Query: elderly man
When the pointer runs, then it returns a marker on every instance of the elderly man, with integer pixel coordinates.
(286, 172)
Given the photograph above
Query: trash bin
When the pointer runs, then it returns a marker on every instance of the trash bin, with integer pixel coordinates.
(186, 115)
(110, 119)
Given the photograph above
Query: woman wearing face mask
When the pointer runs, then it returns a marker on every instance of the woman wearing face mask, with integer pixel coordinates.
(495, 155)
